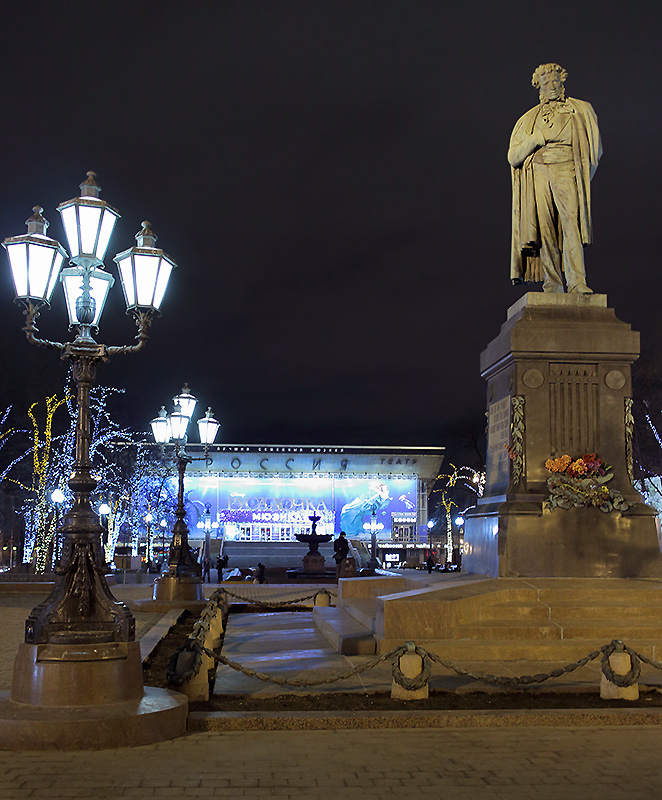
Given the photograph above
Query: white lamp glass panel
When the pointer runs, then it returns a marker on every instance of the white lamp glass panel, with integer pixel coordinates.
(55, 273)
(41, 261)
(178, 425)
(126, 274)
(89, 218)
(208, 428)
(68, 215)
(73, 289)
(126, 278)
(99, 288)
(162, 283)
(161, 430)
(107, 226)
(18, 260)
(146, 268)
(186, 402)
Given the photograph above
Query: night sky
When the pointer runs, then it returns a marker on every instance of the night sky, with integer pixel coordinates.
(331, 178)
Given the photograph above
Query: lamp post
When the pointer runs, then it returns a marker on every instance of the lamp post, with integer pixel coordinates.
(104, 511)
(182, 579)
(81, 614)
(57, 498)
(164, 525)
(81, 609)
(373, 526)
(148, 544)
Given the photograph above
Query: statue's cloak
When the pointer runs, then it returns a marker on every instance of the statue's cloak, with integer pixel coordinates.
(587, 149)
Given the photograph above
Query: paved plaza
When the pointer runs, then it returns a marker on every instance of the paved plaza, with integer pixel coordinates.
(618, 761)
(512, 764)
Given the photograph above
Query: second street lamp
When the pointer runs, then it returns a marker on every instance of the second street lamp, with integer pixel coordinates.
(182, 578)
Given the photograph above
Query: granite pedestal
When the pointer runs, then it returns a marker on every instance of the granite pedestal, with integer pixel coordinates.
(558, 382)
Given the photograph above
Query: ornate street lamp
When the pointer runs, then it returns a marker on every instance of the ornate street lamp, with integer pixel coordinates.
(81, 609)
(80, 621)
(182, 578)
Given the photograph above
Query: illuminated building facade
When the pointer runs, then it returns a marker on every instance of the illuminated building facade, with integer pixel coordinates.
(269, 492)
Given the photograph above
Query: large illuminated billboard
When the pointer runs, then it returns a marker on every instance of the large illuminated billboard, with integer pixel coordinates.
(245, 507)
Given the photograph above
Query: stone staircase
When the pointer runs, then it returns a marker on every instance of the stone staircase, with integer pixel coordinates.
(283, 555)
(553, 619)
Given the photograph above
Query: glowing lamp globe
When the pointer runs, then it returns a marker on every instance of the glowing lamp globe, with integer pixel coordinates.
(178, 424)
(144, 271)
(208, 428)
(35, 260)
(161, 427)
(104, 509)
(186, 402)
(88, 223)
(85, 311)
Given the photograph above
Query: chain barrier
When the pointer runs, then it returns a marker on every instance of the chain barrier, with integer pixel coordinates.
(301, 682)
(189, 658)
(270, 603)
(187, 661)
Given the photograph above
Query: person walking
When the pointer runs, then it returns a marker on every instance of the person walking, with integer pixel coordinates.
(429, 563)
(260, 573)
(340, 552)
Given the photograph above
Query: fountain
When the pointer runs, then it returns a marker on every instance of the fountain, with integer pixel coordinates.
(313, 561)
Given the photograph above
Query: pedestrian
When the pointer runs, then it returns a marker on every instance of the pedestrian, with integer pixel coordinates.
(219, 567)
(260, 573)
(206, 570)
(429, 563)
(340, 552)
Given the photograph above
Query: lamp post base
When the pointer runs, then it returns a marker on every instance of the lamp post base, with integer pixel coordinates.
(169, 588)
(85, 697)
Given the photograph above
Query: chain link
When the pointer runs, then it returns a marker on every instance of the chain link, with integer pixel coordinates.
(270, 603)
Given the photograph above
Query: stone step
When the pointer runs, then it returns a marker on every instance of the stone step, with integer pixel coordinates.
(510, 629)
(611, 610)
(345, 634)
(570, 609)
(614, 628)
(362, 610)
(611, 629)
(515, 610)
(600, 593)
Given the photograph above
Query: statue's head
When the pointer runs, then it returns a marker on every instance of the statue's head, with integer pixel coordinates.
(550, 79)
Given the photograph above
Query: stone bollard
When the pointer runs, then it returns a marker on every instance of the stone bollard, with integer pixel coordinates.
(323, 599)
(216, 629)
(197, 688)
(411, 666)
(620, 663)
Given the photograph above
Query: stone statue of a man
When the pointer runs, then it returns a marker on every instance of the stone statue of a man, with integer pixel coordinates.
(554, 152)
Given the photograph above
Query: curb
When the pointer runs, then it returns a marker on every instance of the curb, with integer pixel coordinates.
(220, 721)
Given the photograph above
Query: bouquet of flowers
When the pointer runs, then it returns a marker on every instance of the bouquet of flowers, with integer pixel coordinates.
(582, 482)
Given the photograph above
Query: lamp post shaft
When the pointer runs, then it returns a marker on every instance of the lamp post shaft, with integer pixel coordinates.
(181, 559)
(81, 608)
